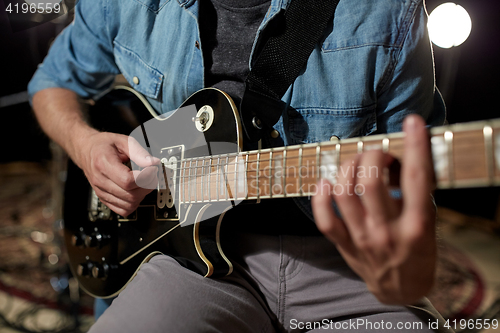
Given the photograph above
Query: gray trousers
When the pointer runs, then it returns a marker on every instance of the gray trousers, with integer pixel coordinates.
(280, 284)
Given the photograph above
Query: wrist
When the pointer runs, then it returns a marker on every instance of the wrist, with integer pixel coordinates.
(79, 139)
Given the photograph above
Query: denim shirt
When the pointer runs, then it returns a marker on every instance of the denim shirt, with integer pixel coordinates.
(373, 67)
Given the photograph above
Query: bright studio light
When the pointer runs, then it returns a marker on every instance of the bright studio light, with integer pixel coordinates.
(449, 25)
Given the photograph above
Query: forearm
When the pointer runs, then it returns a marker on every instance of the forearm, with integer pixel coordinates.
(59, 113)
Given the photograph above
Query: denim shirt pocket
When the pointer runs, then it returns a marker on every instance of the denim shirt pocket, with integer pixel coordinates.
(141, 76)
(308, 125)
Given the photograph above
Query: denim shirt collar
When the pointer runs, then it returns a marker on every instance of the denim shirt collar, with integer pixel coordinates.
(274, 9)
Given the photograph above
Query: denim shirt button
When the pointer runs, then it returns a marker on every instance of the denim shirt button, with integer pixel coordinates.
(275, 134)
(135, 80)
(197, 45)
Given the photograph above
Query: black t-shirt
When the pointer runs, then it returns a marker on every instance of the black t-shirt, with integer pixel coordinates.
(228, 29)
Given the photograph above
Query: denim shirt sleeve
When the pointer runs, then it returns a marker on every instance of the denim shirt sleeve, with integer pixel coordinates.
(409, 86)
(81, 58)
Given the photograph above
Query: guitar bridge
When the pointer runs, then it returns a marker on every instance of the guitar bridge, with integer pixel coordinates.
(168, 177)
(164, 196)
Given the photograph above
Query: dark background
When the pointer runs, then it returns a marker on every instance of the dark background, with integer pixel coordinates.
(468, 76)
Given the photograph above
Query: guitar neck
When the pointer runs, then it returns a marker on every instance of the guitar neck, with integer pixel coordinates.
(465, 155)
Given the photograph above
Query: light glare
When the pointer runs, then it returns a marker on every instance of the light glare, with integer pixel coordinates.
(449, 25)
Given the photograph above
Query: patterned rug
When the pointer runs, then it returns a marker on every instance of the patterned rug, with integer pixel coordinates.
(33, 266)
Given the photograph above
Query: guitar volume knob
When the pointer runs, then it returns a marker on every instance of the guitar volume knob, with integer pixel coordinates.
(95, 240)
(78, 239)
(100, 271)
(84, 269)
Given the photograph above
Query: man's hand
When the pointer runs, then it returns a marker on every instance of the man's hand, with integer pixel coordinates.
(101, 158)
(99, 155)
(389, 243)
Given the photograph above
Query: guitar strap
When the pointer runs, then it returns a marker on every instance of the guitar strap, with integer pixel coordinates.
(288, 41)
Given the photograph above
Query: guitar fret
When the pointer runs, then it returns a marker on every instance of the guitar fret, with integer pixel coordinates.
(183, 182)
(271, 173)
(440, 158)
(284, 172)
(210, 179)
(337, 151)
(329, 166)
(448, 139)
(226, 183)
(385, 144)
(236, 177)
(189, 182)
(488, 146)
(301, 192)
(196, 181)
(318, 152)
(217, 179)
(222, 181)
(278, 176)
(360, 146)
(202, 181)
(246, 173)
(244, 180)
(258, 165)
(196, 169)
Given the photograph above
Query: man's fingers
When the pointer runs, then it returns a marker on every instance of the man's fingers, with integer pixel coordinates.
(139, 155)
(114, 202)
(108, 186)
(147, 178)
(129, 148)
(372, 189)
(347, 200)
(117, 209)
(326, 219)
(417, 173)
(112, 168)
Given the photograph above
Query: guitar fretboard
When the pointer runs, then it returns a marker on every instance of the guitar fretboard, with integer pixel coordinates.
(465, 155)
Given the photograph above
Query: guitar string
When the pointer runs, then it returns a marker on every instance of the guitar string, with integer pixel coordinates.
(219, 166)
(228, 179)
(455, 145)
(395, 141)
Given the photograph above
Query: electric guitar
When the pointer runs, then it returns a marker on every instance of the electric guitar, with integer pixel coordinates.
(204, 173)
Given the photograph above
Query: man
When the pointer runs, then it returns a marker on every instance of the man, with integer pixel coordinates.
(372, 69)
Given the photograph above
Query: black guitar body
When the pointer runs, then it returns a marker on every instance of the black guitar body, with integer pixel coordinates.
(105, 249)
